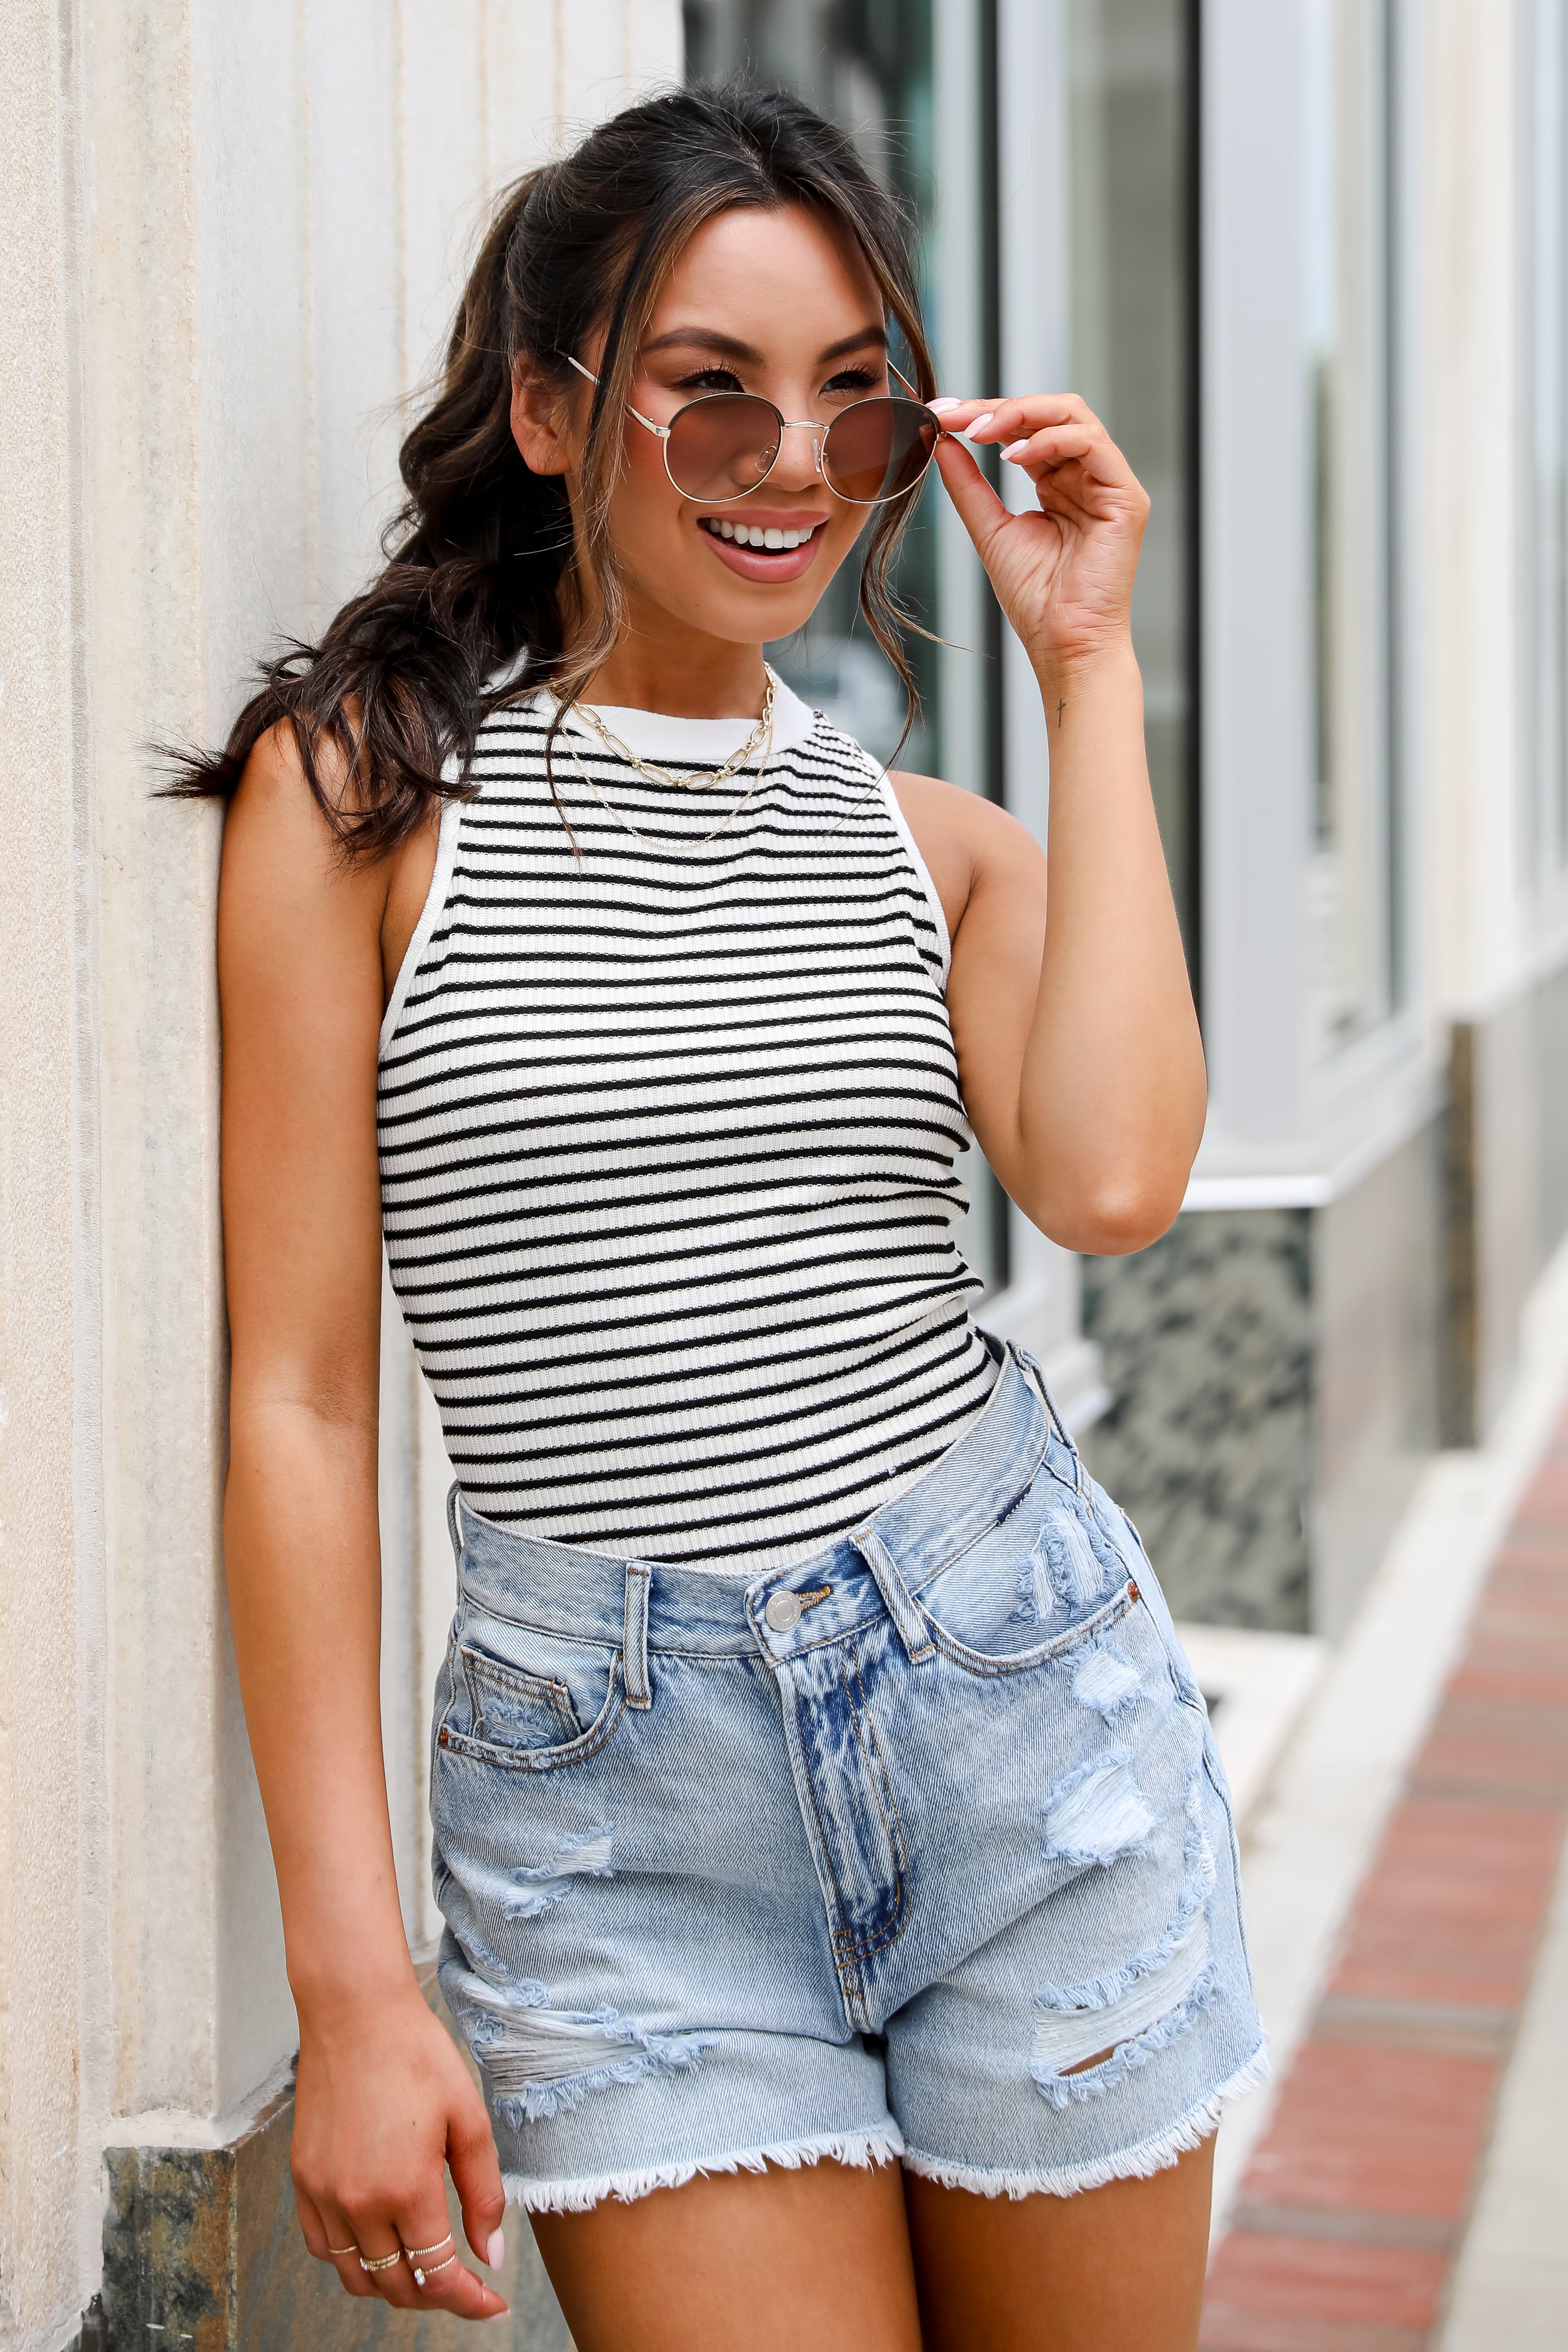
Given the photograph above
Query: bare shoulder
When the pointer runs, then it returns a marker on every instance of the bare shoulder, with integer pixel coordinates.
(969, 843)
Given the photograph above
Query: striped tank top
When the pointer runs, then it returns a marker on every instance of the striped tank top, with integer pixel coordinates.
(668, 1130)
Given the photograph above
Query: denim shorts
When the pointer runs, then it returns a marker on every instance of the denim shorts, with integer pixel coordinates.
(919, 1848)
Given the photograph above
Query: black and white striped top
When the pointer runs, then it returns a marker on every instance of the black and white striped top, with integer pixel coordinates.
(667, 1136)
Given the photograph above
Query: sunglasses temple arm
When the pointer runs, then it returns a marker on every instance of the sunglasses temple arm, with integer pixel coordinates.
(662, 430)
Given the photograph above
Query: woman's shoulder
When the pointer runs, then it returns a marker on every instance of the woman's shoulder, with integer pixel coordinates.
(965, 840)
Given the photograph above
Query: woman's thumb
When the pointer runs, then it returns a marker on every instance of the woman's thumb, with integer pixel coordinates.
(476, 2177)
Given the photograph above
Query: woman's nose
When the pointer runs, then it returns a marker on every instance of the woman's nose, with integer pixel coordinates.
(800, 459)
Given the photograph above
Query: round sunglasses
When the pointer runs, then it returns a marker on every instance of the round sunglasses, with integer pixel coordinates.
(723, 445)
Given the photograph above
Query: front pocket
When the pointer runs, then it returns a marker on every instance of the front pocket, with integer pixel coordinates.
(1042, 1653)
(518, 1694)
(454, 1738)
(1032, 1584)
(509, 1708)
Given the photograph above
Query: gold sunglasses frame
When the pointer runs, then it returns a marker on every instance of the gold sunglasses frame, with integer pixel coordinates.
(786, 424)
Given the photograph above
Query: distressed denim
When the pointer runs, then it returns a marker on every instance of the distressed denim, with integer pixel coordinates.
(918, 1848)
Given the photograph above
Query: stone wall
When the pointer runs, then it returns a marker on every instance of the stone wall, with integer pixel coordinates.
(1274, 1374)
(229, 239)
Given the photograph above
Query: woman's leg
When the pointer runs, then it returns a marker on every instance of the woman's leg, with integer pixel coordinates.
(1118, 2269)
(741, 2261)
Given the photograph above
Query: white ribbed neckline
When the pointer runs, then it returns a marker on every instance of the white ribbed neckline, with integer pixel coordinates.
(655, 735)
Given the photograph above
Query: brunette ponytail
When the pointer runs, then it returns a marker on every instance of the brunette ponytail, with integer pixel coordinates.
(479, 556)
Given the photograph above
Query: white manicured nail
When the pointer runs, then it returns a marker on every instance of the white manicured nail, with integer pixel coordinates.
(977, 424)
(946, 400)
(1014, 446)
(496, 2251)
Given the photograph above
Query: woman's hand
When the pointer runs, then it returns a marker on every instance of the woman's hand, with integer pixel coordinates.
(1063, 573)
(382, 2107)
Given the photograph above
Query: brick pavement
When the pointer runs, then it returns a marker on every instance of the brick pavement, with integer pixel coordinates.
(1356, 2202)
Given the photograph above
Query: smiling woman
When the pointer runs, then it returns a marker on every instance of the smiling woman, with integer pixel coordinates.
(813, 1736)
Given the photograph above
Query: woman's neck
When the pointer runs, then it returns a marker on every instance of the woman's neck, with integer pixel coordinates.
(708, 679)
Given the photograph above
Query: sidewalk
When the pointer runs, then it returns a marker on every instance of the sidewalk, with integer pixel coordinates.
(1406, 2193)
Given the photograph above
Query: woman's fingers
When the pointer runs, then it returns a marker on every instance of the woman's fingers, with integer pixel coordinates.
(477, 2175)
(980, 510)
(991, 420)
(414, 2264)
(1040, 434)
(329, 2235)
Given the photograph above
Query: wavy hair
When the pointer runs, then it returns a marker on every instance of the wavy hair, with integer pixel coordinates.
(479, 575)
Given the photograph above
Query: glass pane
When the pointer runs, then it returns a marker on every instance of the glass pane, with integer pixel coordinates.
(871, 65)
(1349, 350)
(867, 66)
(1131, 325)
(1549, 829)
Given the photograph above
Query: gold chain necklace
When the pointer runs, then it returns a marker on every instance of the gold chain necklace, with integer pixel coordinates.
(696, 781)
(621, 751)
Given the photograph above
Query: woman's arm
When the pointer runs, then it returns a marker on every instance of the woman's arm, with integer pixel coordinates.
(1077, 1039)
(383, 2101)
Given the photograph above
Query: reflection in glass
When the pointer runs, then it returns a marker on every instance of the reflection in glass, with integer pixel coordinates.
(1349, 346)
(871, 65)
(1549, 814)
(1131, 65)
(868, 67)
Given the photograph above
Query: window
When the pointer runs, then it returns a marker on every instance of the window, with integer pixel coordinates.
(1132, 343)
(1347, 86)
(911, 83)
(1547, 826)
(868, 67)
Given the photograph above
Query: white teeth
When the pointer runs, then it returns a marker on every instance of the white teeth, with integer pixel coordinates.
(754, 535)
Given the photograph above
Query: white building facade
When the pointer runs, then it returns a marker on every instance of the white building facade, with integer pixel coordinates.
(1310, 257)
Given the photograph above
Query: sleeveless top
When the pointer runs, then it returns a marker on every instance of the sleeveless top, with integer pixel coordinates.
(666, 1134)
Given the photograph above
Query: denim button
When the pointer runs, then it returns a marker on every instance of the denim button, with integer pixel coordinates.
(783, 1611)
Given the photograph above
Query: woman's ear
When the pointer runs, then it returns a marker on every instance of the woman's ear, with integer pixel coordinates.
(535, 401)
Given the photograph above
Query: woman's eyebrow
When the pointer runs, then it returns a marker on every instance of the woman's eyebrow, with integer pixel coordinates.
(707, 339)
(872, 334)
(730, 347)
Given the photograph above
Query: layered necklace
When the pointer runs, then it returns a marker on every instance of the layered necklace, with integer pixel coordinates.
(760, 740)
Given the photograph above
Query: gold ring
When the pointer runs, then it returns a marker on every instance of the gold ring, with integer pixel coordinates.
(420, 2276)
(338, 2252)
(381, 2261)
(421, 2251)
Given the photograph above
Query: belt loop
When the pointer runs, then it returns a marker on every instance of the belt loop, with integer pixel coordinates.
(912, 1629)
(455, 1522)
(635, 1653)
(1081, 1476)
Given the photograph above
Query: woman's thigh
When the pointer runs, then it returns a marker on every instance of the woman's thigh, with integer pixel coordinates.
(741, 2261)
(1117, 2269)
(834, 2257)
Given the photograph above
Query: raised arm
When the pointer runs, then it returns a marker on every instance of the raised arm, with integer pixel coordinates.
(1077, 1039)
(383, 2101)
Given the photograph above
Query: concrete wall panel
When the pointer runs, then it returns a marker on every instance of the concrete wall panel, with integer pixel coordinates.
(229, 242)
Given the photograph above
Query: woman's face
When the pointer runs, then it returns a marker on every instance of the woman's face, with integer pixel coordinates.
(772, 302)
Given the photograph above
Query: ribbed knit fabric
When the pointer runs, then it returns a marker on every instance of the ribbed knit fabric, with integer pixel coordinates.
(667, 1134)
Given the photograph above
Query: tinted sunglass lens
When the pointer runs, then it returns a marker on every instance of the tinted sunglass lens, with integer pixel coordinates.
(879, 449)
(722, 445)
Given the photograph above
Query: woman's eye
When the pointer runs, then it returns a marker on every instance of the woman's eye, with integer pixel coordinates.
(857, 381)
(710, 380)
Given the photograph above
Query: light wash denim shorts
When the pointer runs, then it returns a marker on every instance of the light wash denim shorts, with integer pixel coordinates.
(918, 1848)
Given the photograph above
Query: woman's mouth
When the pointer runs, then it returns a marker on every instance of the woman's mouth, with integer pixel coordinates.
(759, 550)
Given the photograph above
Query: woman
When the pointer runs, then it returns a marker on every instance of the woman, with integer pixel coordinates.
(840, 1880)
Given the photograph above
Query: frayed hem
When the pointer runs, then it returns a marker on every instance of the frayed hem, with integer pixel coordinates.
(861, 2149)
(1140, 2163)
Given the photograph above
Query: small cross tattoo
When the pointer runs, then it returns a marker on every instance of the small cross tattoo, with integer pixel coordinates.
(1059, 708)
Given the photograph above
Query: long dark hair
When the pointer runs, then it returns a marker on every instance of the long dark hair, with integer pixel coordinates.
(479, 556)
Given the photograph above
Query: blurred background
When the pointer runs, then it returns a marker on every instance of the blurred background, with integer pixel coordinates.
(1309, 259)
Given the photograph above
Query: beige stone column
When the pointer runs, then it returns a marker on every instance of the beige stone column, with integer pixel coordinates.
(229, 238)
